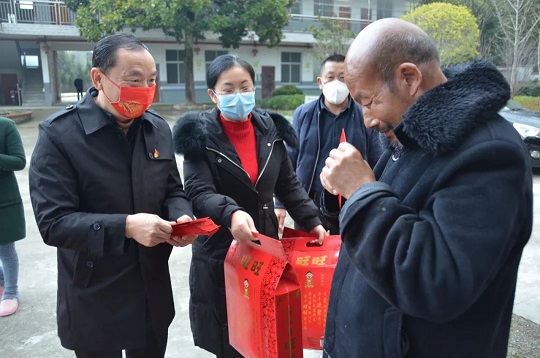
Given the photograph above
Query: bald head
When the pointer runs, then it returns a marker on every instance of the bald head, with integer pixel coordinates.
(387, 43)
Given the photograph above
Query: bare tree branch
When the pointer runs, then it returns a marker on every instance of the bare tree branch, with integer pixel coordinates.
(519, 24)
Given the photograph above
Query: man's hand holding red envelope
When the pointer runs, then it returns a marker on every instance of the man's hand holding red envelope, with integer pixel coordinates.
(186, 230)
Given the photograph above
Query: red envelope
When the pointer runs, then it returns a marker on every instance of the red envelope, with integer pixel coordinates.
(203, 226)
(342, 139)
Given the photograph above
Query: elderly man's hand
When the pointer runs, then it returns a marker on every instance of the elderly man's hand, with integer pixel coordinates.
(345, 171)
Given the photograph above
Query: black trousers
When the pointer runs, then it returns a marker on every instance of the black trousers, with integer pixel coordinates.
(153, 349)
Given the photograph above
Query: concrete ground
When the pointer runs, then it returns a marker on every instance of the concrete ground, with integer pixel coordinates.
(31, 332)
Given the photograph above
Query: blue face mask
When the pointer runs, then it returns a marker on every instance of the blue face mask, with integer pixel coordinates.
(236, 106)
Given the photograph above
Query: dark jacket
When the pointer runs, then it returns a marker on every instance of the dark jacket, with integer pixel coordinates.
(12, 223)
(431, 250)
(307, 125)
(218, 186)
(84, 181)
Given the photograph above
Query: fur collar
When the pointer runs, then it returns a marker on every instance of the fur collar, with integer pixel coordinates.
(440, 119)
(191, 131)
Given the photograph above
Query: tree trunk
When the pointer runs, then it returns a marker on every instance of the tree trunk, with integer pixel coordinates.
(515, 62)
(190, 81)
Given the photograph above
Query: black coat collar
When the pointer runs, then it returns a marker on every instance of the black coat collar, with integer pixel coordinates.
(440, 119)
(195, 130)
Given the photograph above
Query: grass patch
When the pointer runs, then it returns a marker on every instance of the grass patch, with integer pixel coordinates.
(528, 102)
(4, 112)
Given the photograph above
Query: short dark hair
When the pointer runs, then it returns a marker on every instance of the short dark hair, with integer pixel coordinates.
(388, 54)
(223, 63)
(333, 58)
(104, 55)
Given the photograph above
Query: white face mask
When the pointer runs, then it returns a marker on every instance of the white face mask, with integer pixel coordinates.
(335, 92)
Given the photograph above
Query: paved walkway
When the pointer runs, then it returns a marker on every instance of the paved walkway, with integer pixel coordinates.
(31, 332)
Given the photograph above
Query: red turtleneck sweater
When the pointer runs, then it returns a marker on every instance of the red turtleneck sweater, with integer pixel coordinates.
(242, 137)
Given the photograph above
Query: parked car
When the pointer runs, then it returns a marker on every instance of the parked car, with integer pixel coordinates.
(527, 123)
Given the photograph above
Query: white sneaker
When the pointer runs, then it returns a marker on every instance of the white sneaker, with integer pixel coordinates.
(8, 307)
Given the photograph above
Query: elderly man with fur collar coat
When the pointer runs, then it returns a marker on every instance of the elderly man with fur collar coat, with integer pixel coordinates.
(433, 237)
(218, 186)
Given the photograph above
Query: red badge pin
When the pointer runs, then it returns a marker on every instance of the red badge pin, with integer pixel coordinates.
(156, 153)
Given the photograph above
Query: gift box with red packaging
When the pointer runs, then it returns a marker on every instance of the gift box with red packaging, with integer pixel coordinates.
(314, 266)
(263, 300)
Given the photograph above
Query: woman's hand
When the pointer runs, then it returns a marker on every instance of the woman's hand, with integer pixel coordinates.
(281, 214)
(321, 233)
(242, 226)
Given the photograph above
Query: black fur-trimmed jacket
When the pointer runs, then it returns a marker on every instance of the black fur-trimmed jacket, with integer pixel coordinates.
(431, 250)
(218, 186)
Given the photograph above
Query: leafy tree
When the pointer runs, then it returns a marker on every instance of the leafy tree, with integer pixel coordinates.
(486, 19)
(332, 38)
(186, 21)
(453, 28)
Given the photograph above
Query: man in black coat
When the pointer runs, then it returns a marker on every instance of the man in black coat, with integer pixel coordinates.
(319, 125)
(78, 83)
(105, 190)
(434, 235)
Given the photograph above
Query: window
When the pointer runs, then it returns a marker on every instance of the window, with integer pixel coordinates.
(175, 66)
(210, 55)
(30, 61)
(290, 67)
(323, 8)
(383, 13)
(345, 12)
(384, 9)
(296, 8)
(365, 14)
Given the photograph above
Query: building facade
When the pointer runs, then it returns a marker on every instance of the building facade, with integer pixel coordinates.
(32, 33)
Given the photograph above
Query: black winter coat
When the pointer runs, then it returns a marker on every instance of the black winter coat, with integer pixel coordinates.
(218, 186)
(430, 252)
(84, 181)
(307, 125)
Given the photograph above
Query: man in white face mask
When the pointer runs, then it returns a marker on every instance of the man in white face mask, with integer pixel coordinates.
(319, 125)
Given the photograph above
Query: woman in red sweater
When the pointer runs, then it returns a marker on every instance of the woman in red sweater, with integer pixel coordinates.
(234, 161)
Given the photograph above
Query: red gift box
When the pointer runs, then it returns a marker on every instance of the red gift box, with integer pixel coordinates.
(314, 266)
(263, 300)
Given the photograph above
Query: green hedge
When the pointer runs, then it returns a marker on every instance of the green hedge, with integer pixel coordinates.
(530, 90)
(287, 90)
(289, 102)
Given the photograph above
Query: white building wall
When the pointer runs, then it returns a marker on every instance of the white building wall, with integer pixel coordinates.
(295, 40)
(307, 7)
(39, 29)
(264, 57)
(44, 50)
